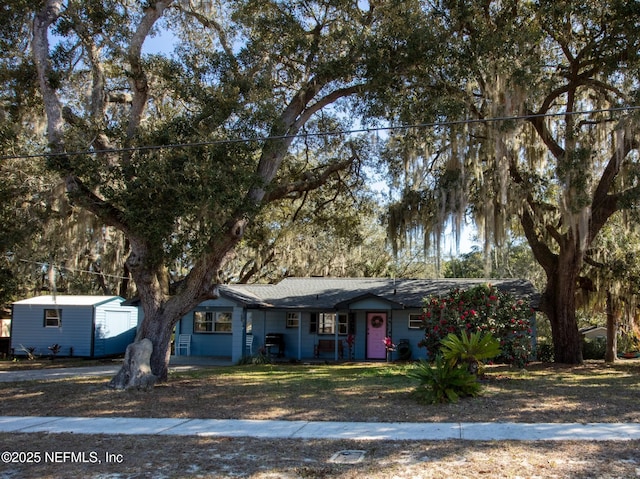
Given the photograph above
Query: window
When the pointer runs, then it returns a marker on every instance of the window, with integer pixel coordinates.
(249, 325)
(52, 318)
(222, 323)
(293, 320)
(211, 322)
(415, 321)
(325, 323)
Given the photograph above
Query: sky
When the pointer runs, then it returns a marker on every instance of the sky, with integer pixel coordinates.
(164, 42)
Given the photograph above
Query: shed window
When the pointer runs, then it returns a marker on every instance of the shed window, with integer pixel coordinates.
(415, 321)
(52, 318)
(211, 322)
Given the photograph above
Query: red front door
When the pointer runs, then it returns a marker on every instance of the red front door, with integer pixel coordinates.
(376, 332)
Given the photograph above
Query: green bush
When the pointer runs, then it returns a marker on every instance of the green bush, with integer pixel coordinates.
(544, 352)
(442, 383)
(470, 349)
(594, 348)
(257, 359)
(483, 309)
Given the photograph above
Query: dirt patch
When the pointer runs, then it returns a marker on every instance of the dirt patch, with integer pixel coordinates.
(131, 457)
(593, 392)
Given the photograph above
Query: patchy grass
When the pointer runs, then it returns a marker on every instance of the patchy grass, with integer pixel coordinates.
(593, 392)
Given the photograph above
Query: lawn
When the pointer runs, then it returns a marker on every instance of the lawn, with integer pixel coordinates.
(592, 392)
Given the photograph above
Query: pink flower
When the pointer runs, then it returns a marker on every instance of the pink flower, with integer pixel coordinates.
(388, 343)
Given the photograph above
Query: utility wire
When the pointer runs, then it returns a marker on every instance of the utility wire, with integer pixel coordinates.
(72, 270)
(321, 134)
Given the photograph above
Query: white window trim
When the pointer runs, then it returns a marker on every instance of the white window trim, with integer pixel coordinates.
(415, 317)
(212, 318)
(293, 320)
(325, 318)
(57, 317)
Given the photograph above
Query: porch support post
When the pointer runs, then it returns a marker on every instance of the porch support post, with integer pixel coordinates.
(299, 335)
(336, 325)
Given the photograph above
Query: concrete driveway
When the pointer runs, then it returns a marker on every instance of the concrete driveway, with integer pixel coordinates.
(177, 363)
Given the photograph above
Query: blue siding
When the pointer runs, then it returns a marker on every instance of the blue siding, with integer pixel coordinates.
(206, 344)
(298, 344)
(115, 327)
(28, 330)
(275, 322)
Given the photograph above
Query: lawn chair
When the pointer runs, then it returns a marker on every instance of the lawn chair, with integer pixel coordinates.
(250, 343)
(184, 342)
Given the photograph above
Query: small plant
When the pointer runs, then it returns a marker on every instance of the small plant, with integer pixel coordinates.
(30, 352)
(442, 383)
(260, 358)
(470, 349)
(594, 348)
(55, 349)
(545, 352)
(389, 347)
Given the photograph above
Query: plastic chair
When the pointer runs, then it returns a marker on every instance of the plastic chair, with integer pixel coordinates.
(184, 342)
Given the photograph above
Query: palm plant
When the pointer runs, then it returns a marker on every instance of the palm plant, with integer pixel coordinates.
(441, 382)
(469, 348)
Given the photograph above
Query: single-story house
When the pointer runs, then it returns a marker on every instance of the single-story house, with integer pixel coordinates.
(324, 318)
(83, 326)
(594, 332)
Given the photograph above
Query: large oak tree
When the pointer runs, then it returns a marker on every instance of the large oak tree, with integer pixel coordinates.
(150, 144)
(517, 146)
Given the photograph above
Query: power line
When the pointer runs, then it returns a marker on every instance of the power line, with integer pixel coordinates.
(72, 270)
(320, 134)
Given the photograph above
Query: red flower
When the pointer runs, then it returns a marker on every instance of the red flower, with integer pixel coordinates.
(388, 343)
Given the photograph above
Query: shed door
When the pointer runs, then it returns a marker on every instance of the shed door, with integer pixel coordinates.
(376, 332)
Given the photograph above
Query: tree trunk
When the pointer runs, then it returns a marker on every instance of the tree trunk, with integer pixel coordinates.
(158, 329)
(135, 372)
(612, 331)
(558, 303)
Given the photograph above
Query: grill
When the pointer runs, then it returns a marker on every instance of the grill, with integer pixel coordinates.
(276, 341)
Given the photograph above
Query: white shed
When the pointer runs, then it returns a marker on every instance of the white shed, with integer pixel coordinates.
(83, 326)
(594, 332)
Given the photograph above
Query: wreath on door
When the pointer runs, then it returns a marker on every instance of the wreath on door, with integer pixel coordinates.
(377, 321)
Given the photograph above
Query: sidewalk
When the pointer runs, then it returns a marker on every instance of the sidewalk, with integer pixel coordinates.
(397, 431)
(323, 430)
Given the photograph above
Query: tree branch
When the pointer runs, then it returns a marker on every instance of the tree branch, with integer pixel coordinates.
(540, 250)
(605, 204)
(326, 100)
(40, 46)
(138, 77)
(538, 122)
(311, 182)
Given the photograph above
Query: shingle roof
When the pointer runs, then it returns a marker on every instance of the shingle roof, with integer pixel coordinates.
(319, 293)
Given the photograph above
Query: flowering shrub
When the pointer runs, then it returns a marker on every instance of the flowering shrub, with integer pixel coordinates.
(388, 344)
(482, 309)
